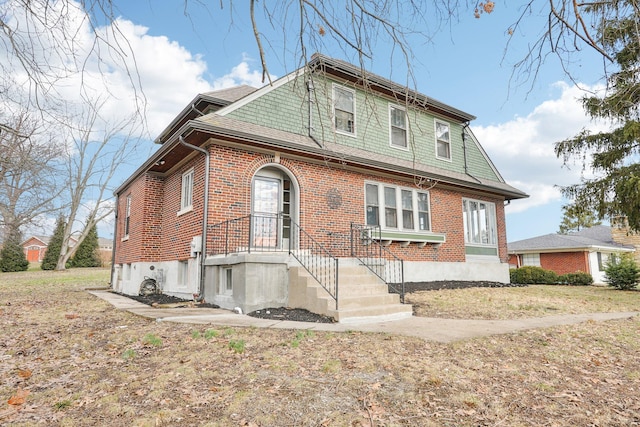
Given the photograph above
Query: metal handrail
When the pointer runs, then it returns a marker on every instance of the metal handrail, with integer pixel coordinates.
(250, 233)
(366, 246)
(316, 259)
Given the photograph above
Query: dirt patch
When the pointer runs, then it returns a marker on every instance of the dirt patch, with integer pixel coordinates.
(454, 284)
(295, 314)
(161, 299)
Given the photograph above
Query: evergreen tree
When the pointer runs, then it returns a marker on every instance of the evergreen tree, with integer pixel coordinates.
(612, 155)
(576, 218)
(53, 248)
(12, 257)
(87, 254)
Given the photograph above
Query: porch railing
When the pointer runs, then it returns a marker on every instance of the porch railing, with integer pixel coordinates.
(256, 233)
(366, 246)
(250, 233)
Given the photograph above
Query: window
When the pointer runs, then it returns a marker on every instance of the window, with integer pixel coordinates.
(443, 141)
(531, 259)
(398, 127)
(183, 273)
(226, 281)
(404, 208)
(479, 222)
(186, 201)
(372, 207)
(127, 215)
(344, 108)
(390, 210)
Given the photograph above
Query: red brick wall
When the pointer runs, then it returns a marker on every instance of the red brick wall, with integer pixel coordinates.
(165, 236)
(145, 223)
(565, 262)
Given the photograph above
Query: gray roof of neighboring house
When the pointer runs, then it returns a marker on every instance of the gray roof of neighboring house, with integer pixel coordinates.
(598, 236)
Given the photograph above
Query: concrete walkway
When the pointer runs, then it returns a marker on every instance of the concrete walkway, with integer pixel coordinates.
(428, 328)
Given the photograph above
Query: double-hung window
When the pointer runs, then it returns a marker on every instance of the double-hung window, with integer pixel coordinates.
(479, 222)
(397, 126)
(127, 216)
(344, 110)
(186, 199)
(405, 209)
(443, 141)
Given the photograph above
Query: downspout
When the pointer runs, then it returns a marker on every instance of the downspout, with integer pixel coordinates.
(464, 151)
(203, 244)
(311, 92)
(113, 249)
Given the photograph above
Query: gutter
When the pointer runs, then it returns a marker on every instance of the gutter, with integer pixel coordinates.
(203, 243)
(311, 91)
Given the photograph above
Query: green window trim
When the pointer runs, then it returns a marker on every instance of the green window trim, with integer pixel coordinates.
(481, 250)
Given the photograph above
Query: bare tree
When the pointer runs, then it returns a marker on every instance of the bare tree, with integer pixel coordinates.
(46, 42)
(28, 177)
(97, 147)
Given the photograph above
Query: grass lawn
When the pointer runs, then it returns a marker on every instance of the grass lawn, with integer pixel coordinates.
(70, 359)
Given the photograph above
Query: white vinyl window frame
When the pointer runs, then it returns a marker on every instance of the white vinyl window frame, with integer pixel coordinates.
(531, 259)
(186, 193)
(480, 223)
(127, 218)
(226, 281)
(398, 132)
(183, 273)
(344, 110)
(397, 208)
(443, 139)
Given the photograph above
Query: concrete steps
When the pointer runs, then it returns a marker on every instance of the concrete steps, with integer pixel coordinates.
(361, 296)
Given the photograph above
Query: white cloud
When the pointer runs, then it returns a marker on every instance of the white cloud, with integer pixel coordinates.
(523, 148)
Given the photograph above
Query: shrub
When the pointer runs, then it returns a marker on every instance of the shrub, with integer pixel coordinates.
(579, 278)
(52, 253)
(531, 275)
(12, 257)
(622, 272)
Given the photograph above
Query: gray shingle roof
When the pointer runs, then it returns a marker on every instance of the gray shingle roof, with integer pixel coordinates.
(232, 94)
(593, 237)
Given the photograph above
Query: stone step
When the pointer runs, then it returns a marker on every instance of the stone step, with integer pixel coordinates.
(361, 295)
(372, 313)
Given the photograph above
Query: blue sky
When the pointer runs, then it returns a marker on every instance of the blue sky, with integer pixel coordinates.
(465, 65)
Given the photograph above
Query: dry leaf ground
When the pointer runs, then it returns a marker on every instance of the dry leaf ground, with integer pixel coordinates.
(90, 364)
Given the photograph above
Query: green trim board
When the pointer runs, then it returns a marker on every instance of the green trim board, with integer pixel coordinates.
(398, 236)
(481, 250)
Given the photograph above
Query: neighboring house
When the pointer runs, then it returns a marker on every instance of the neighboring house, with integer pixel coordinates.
(35, 247)
(105, 246)
(315, 170)
(586, 250)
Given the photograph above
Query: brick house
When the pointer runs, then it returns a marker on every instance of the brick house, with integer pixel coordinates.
(312, 192)
(586, 250)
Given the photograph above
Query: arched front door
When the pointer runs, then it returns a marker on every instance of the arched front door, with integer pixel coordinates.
(272, 208)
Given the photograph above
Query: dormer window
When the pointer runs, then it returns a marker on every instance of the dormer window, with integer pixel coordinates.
(398, 126)
(344, 108)
(443, 141)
